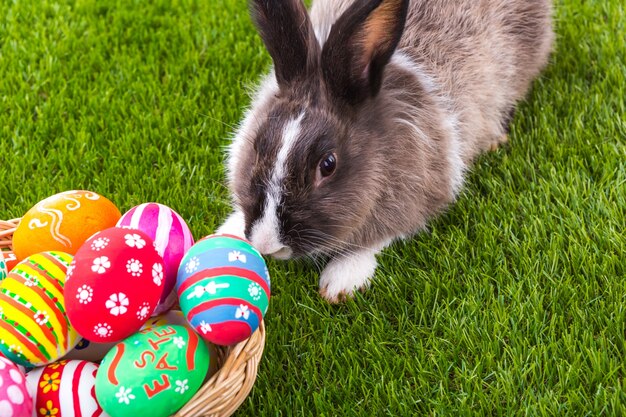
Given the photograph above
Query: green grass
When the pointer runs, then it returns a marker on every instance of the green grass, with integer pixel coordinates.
(513, 304)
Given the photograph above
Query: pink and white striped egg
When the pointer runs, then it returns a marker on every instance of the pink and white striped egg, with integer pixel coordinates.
(14, 398)
(65, 389)
(172, 239)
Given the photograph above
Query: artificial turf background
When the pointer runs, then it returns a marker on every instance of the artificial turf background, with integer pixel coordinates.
(513, 304)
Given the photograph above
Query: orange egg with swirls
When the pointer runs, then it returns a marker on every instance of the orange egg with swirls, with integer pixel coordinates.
(63, 222)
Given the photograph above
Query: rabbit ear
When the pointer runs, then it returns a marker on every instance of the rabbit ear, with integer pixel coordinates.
(286, 30)
(359, 46)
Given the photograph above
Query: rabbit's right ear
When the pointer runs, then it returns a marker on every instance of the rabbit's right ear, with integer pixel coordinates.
(286, 30)
(360, 45)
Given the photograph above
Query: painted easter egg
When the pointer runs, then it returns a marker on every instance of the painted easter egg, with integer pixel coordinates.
(171, 236)
(158, 369)
(114, 284)
(3, 267)
(224, 288)
(65, 389)
(63, 222)
(14, 398)
(34, 329)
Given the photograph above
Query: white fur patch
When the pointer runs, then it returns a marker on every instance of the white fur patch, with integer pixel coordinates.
(345, 274)
(451, 121)
(290, 136)
(265, 233)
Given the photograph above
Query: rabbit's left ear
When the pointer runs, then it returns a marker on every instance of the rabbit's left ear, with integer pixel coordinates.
(286, 30)
(360, 45)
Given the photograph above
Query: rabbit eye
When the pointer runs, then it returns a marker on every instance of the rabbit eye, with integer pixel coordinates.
(328, 165)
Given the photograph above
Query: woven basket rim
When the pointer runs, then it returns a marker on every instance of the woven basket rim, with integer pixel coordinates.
(238, 365)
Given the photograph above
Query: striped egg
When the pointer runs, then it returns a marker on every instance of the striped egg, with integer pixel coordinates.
(224, 288)
(65, 389)
(34, 329)
(172, 239)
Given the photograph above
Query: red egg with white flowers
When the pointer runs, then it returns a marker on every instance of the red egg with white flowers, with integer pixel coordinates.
(113, 284)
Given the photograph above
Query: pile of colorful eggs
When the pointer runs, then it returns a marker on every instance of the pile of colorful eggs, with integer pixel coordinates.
(90, 307)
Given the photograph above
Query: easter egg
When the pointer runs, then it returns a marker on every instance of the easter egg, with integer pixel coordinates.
(171, 236)
(114, 284)
(63, 222)
(224, 288)
(158, 369)
(14, 398)
(34, 329)
(3, 267)
(65, 389)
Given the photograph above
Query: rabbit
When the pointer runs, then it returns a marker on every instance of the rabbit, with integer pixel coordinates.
(366, 125)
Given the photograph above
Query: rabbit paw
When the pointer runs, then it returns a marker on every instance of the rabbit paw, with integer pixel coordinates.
(343, 276)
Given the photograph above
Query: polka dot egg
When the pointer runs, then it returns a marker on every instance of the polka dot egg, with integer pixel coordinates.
(114, 284)
(224, 288)
(172, 239)
(34, 329)
(14, 398)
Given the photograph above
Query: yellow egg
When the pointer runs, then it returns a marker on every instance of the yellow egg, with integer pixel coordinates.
(34, 329)
(63, 222)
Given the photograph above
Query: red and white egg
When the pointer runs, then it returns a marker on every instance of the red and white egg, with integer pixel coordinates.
(172, 239)
(14, 398)
(65, 389)
(113, 285)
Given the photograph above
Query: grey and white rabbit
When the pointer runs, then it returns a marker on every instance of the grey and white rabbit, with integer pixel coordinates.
(371, 115)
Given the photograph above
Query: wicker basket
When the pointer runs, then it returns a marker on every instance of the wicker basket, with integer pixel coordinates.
(227, 389)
